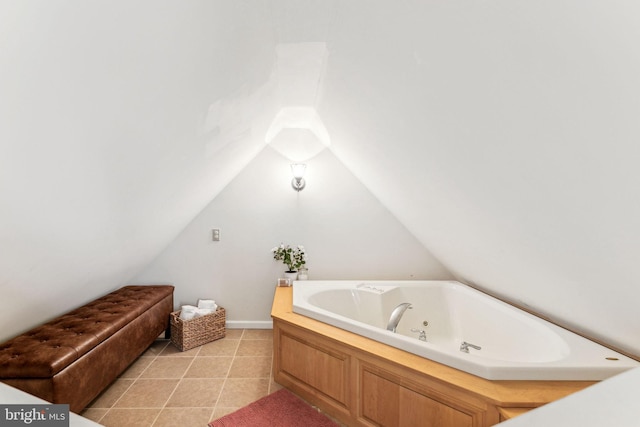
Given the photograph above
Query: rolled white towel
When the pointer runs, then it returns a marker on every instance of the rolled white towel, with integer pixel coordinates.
(188, 312)
(207, 303)
(202, 312)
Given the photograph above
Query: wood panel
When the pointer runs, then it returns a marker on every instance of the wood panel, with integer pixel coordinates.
(386, 402)
(419, 410)
(318, 367)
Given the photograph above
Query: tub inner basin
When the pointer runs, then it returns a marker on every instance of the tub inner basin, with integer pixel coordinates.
(512, 344)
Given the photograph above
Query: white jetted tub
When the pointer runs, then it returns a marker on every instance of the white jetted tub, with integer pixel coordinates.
(463, 328)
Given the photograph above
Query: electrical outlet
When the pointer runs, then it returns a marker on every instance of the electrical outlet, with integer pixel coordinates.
(216, 234)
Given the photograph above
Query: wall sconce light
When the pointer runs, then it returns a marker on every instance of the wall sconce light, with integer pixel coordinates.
(298, 172)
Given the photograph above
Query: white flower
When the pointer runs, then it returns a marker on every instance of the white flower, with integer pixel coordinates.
(292, 258)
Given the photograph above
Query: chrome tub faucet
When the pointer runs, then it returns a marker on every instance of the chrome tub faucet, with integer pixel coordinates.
(396, 315)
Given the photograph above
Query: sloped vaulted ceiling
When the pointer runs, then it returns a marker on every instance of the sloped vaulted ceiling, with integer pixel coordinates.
(502, 134)
(118, 123)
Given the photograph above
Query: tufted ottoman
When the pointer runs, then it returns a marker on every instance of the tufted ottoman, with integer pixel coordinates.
(72, 358)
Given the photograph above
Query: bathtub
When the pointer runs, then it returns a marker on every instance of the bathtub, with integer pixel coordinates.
(463, 328)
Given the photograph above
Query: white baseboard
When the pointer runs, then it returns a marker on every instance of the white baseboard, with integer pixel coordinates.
(249, 324)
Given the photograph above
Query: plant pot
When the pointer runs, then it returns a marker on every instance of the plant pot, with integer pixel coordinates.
(291, 275)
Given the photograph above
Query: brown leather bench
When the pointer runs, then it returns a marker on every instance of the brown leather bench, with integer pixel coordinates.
(72, 358)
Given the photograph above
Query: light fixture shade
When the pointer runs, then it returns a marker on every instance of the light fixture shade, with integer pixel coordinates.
(298, 170)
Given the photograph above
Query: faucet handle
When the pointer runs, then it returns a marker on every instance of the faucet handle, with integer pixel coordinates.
(423, 334)
(464, 347)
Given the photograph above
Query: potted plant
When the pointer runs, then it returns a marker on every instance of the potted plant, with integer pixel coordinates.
(293, 258)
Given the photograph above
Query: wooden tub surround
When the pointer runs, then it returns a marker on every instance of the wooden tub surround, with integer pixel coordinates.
(362, 382)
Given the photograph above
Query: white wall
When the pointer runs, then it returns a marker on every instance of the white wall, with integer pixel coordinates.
(118, 123)
(511, 128)
(502, 134)
(346, 232)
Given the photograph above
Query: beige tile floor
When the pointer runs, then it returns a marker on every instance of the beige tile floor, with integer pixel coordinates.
(167, 387)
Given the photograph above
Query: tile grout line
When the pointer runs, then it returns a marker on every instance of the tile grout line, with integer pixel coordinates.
(164, 406)
(224, 382)
(132, 382)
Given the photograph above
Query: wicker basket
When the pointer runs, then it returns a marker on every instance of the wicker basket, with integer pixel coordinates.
(187, 334)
